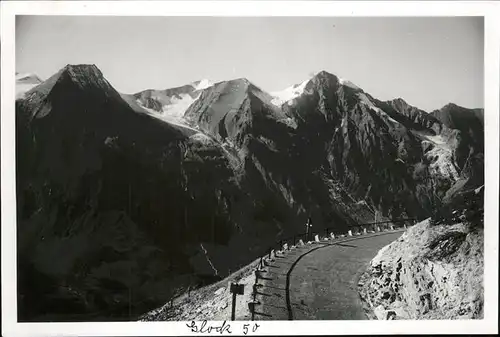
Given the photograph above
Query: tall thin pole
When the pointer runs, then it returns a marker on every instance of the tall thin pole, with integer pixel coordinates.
(254, 299)
(233, 308)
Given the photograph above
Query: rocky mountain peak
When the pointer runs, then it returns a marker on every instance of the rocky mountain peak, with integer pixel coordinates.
(324, 77)
(325, 74)
(458, 117)
(202, 84)
(85, 76)
(450, 106)
(80, 69)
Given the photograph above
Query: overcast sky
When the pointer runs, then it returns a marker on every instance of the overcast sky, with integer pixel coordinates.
(427, 61)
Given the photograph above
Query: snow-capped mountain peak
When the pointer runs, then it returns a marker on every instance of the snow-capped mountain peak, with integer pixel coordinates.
(202, 84)
(296, 90)
(348, 83)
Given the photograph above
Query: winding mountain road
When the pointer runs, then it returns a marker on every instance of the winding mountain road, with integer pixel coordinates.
(319, 280)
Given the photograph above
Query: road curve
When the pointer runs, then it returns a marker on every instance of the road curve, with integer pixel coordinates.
(319, 280)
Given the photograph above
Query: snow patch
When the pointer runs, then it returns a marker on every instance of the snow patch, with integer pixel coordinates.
(174, 111)
(347, 83)
(440, 156)
(169, 118)
(25, 82)
(28, 77)
(178, 106)
(180, 121)
(202, 84)
(290, 93)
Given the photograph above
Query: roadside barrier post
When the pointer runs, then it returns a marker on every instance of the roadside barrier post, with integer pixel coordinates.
(254, 301)
(251, 307)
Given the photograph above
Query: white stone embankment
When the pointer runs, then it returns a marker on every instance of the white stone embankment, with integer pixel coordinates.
(430, 272)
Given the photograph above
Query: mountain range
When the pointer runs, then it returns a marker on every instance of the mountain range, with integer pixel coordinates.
(125, 200)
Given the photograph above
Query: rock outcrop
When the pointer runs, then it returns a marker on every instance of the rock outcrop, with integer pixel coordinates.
(433, 271)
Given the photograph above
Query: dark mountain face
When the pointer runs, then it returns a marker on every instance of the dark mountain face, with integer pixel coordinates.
(273, 162)
(410, 116)
(133, 208)
(88, 166)
(116, 197)
(469, 153)
(358, 144)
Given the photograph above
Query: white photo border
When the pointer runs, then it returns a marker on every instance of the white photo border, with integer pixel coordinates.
(490, 10)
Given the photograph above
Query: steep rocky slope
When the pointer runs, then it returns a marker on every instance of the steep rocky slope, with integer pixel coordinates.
(469, 127)
(412, 117)
(274, 163)
(359, 144)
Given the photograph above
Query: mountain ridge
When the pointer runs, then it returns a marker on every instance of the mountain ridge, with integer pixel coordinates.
(195, 196)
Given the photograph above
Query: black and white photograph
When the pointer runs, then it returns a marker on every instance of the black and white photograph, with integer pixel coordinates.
(211, 169)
